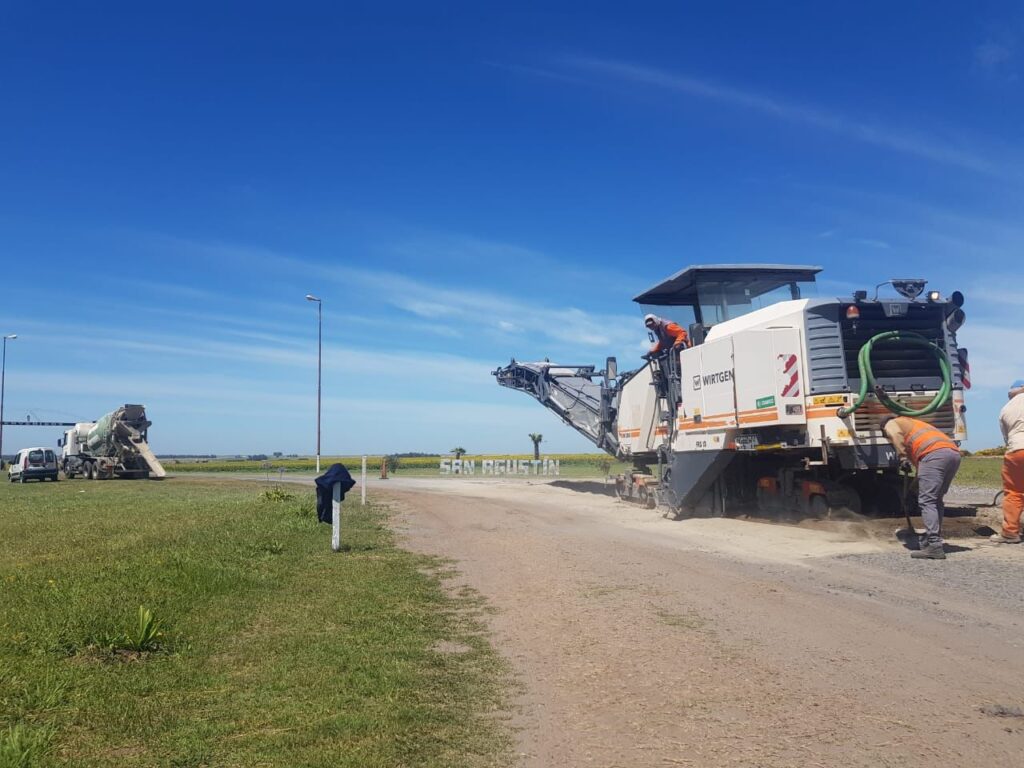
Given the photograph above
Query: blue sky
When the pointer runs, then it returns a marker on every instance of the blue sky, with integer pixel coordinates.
(466, 183)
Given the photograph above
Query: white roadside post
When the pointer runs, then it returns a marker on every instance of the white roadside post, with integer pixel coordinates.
(362, 482)
(336, 517)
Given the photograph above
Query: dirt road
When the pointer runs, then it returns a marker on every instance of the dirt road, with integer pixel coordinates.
(640, 641)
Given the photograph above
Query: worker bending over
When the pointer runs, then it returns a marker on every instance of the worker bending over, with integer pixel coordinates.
(1011, 422)
(667, 334)
(937, 459)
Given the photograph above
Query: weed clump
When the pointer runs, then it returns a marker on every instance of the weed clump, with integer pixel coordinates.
(141, 638)
(276, 494)
(22, 746)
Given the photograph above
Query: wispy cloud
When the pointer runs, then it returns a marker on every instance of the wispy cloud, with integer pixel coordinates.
(991, 55)
(907, 142)
(486, 309)
(287, 353)
(996, 354)
(870, 243)
(503, 259)
(482, 310)
(996, 58)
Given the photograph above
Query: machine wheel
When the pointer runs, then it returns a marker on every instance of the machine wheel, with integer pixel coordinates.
(90, 471)
(818, 507)
(646, 498)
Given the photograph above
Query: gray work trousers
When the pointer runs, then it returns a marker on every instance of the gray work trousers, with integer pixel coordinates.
(935, 474)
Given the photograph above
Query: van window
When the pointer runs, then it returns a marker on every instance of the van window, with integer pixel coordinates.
(35, 457)
(50, 459)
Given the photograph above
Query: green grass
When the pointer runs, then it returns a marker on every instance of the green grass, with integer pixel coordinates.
(981, 471)
(270, 650)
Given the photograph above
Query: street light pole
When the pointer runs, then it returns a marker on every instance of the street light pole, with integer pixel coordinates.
(319, 368)
(3, 381)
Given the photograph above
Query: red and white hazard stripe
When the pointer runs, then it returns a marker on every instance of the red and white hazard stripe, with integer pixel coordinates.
(965, 368)
(790, 375)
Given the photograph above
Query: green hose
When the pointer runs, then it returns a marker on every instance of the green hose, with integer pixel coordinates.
(867, 375)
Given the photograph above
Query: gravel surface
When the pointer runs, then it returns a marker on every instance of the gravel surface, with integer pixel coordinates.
(994, 573)
(973, 494)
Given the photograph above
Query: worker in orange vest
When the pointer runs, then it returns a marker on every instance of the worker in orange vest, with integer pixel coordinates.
(936, 458)
(667, 334)
(1011, 424)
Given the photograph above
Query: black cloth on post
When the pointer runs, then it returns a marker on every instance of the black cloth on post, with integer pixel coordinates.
(336, 473)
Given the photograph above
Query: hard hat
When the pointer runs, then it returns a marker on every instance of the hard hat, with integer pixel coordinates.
(650, 319)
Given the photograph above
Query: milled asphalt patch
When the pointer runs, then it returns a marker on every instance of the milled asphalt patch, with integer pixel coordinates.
(993, 576)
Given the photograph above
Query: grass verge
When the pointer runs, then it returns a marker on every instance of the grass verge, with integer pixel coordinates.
(266, 648)
(982, 471)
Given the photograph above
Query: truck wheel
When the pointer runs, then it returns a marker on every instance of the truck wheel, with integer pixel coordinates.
(90, 471)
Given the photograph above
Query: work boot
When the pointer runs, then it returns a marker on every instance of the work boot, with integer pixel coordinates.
(999, 538)
(932, 551)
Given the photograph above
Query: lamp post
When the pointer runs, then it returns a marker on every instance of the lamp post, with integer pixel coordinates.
(3, 377)
(319, 357)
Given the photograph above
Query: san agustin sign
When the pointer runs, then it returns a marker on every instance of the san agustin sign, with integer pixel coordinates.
(500, 466)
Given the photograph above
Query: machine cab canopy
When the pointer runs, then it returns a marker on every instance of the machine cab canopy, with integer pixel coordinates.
(726, 291)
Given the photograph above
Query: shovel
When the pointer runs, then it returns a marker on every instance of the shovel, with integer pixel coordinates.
(906, 509)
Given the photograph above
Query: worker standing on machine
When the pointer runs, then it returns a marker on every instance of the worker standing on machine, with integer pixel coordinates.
(667, 334)
(1011, 423)
(936, 458)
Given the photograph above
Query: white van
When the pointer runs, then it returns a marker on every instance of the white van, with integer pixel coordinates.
(33, 464)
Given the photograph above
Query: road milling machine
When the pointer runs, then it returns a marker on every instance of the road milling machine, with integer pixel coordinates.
(778, 399)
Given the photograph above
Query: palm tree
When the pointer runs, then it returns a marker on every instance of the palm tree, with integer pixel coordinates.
(536, 437)
(459, 452)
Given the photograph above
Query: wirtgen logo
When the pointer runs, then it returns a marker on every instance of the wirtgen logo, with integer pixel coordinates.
(721, 377)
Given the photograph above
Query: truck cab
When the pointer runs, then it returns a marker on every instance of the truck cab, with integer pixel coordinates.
(701, 298)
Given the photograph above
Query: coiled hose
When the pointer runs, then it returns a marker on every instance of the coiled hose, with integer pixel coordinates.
(867, 375)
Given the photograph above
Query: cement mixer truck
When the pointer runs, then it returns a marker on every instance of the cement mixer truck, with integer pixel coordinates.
(778, 399)
(115, 446)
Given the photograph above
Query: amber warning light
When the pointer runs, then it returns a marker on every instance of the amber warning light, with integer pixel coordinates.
(852, 312)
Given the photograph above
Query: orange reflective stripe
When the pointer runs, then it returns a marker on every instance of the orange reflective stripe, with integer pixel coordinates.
(926, 439)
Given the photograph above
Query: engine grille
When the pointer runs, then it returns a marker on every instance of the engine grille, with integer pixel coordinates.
(869, 416)
(897, 365)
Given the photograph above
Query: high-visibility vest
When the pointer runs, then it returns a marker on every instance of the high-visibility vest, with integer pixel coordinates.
(923, 439)
(669, 334)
